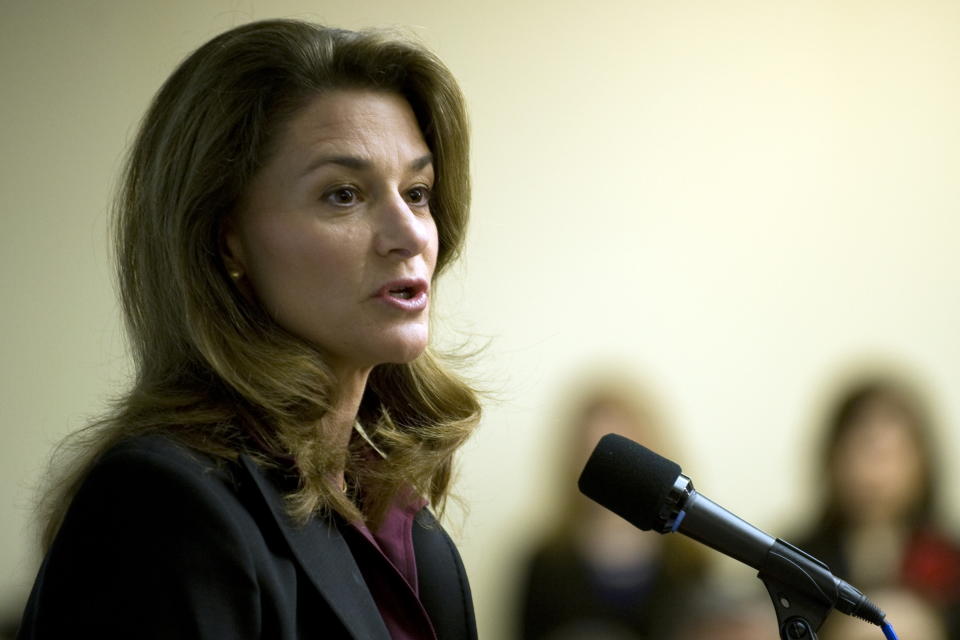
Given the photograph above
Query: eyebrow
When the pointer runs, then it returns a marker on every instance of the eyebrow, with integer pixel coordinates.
(362, 164)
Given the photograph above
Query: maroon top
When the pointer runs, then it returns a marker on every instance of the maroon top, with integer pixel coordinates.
(388, 564)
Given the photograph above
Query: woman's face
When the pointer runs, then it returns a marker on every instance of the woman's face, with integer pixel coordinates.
(878, 466)
(334, 234)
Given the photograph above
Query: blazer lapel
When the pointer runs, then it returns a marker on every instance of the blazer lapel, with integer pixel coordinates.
(327, 561)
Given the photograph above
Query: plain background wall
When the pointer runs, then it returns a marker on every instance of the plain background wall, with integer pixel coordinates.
(735, 199)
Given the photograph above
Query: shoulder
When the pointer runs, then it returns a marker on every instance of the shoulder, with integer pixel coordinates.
(158, 454)
(932, 564)
(935, 547)
(158, 467)
(155, 531)
(153, 488)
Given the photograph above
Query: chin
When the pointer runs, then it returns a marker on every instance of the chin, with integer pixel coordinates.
(404, 348)
(408, 354)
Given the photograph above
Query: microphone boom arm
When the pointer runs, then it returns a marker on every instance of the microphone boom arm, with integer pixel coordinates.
(802, 588)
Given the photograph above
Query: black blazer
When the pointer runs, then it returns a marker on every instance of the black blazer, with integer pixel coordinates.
(162, 542)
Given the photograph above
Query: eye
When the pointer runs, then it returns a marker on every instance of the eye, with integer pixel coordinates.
(418, 196)
(342, 196)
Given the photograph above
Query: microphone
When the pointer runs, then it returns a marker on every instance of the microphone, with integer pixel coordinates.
(650, 492)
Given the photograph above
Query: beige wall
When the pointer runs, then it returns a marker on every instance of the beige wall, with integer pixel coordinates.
(735, 198)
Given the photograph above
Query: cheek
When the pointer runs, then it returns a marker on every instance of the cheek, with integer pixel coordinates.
(433, 246)
(297, 266)
(275, 257)
(906, 471)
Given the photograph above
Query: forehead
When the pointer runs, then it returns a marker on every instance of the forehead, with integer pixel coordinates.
(363, 122)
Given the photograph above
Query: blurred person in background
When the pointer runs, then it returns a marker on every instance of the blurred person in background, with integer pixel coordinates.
(718, 612)
(878, 527)
(595, 576)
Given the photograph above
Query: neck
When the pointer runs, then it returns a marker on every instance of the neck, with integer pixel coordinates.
(344, 406)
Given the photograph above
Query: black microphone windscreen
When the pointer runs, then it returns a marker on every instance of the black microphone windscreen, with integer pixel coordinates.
(628, 479)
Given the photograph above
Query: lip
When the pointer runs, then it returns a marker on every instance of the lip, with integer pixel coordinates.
(405, 294)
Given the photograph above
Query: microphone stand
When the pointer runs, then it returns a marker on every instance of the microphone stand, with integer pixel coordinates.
(797, 616)
(800, 613)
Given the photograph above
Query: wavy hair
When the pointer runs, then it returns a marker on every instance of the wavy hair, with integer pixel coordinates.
(212, 369)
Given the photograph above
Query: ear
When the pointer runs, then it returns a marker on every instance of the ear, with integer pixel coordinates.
(231, 248)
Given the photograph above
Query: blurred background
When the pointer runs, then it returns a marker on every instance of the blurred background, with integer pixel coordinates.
(740, 206)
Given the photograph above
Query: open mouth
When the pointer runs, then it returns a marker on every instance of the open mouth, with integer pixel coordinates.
(406, 293)
(403, 293)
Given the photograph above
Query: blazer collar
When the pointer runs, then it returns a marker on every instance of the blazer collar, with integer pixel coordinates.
(326, 560)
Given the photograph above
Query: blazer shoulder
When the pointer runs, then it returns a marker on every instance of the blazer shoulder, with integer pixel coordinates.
(155, 533)
(162, 454)
(151, 483)
(155, 493)
(155, 466)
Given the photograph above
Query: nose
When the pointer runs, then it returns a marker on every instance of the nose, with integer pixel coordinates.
(403, 231)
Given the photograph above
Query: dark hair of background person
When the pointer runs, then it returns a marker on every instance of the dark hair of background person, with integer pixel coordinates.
(903, 399)
(916, 556)
(212, 369)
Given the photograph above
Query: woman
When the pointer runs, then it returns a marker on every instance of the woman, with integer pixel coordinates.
(292, 195)
(595, 575)
(878, 527)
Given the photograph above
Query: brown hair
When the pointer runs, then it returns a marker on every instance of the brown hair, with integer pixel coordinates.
(212, 369)
(846, 414)
(605, 386)
(602, 387)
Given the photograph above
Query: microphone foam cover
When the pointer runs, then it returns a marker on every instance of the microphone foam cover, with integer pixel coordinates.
(628, 479)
